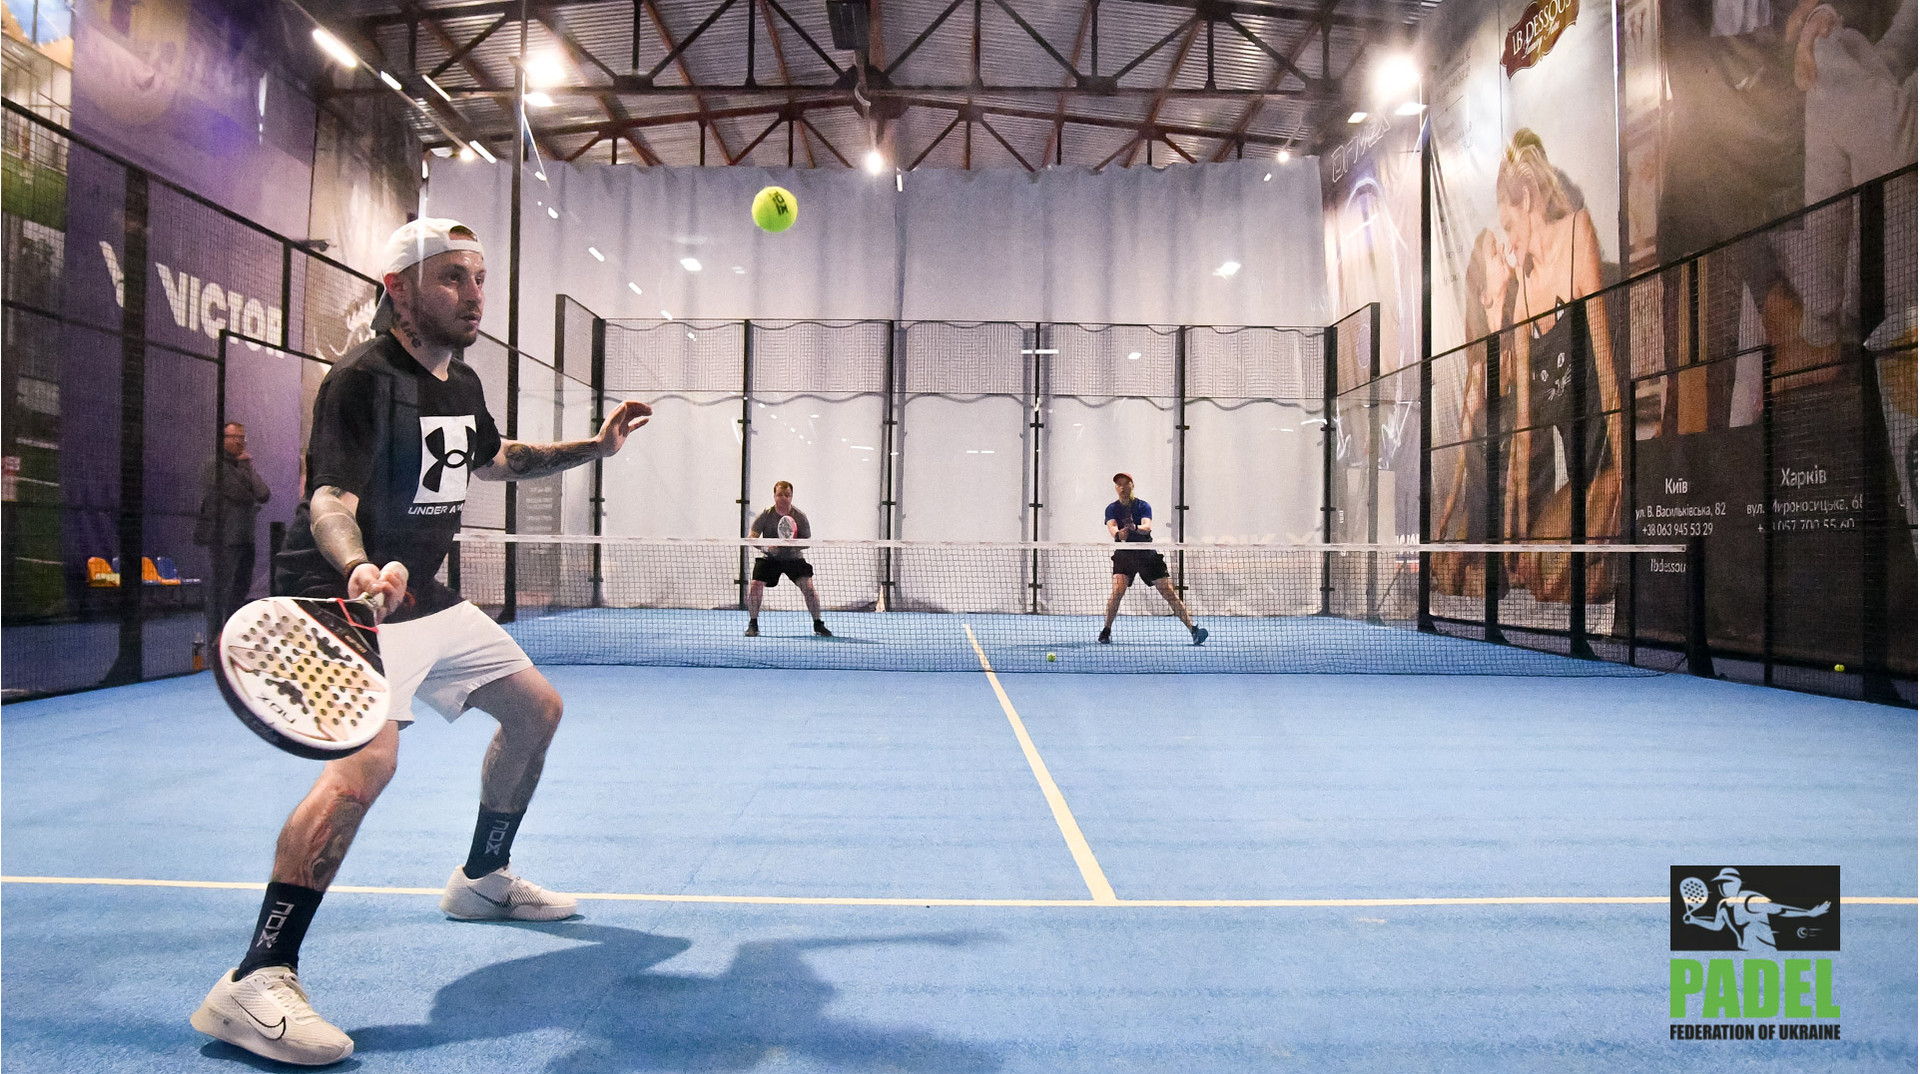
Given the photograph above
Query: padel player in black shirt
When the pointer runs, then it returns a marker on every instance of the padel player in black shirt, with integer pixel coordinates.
(782, 521)
(1130, 521)
(399, 427)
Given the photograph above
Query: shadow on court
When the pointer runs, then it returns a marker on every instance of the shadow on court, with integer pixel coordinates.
(769, 1003)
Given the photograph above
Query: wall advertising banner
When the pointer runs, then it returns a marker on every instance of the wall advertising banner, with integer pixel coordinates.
(177, 86)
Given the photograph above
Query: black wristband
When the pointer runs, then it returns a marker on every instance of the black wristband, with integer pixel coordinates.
(347, 571)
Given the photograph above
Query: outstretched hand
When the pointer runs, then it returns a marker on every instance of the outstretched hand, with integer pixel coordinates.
(625, 418)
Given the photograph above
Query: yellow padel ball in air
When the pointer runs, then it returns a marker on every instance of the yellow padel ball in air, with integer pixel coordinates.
(774, 209)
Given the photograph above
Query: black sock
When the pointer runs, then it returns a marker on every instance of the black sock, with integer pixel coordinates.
(818, 622)
(284, 916)
(492, 842)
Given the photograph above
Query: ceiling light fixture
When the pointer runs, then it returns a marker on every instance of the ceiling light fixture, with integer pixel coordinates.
(1394, 77)
(546, 70)
(335, 49)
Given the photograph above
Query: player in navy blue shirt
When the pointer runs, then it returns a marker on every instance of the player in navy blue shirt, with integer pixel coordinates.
(1130, 521)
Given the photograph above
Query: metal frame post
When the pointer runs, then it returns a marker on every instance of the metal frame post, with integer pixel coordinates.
(890, 411)
(1036, 423)
(1329, 391)
(1875, 520)
(130, 664)
(1495, 570)
(510, 601)
(1180, 457)
(1373, 461)
(597, 377)
(1423, 613)
(746, 451)
(1581, 354)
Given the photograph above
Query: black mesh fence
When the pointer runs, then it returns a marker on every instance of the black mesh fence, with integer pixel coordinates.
(136, 326)
(1757, 398)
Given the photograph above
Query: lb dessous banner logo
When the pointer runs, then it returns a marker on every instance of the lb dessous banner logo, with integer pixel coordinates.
(1764, 914)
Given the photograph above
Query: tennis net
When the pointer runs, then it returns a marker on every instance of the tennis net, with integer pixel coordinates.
(1037, 606)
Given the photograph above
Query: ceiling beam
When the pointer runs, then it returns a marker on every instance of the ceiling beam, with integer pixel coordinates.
(898, 92)
(1147, 129)
(1255, 106)
(608, 102)
(686, 72)
(786, 77)
(1402, 15)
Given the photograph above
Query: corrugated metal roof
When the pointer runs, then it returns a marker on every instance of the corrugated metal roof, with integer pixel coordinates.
(1150, 45)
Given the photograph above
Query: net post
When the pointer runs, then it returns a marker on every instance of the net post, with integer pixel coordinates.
(1493, 571)
(1699, 655)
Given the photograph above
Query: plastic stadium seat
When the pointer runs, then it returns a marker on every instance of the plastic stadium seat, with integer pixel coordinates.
(100, 574)
(170, 572)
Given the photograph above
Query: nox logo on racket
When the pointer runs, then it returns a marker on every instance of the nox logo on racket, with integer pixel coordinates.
(446, 456)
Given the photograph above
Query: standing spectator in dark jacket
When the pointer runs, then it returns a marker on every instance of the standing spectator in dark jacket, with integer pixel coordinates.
(234, 496)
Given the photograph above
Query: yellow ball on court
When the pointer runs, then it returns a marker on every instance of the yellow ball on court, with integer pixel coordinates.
(1051, 658)
(774, 209)
(1839, 667)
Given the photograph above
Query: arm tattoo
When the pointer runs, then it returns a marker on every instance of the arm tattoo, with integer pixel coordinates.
(527, 461)
(335, 531)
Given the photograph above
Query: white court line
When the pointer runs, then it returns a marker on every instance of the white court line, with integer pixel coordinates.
(813, 900)
(1069, 828)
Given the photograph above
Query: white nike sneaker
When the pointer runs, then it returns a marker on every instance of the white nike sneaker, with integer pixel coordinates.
(267, 1013)
(502, 896)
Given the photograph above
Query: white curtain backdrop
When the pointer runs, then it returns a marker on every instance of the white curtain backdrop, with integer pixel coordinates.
(1132, 246)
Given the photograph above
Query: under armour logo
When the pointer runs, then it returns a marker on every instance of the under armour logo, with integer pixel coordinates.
(444, 466)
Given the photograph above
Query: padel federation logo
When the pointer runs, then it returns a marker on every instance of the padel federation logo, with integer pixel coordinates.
(1761, 912)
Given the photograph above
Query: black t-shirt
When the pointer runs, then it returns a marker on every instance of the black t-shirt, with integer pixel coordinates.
(405, 442)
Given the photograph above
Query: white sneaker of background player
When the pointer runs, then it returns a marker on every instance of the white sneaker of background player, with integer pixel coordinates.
(267, 1013)
(502, 896)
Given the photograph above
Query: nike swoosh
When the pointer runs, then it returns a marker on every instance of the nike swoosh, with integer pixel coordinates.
(507, 905)
(272, 1031)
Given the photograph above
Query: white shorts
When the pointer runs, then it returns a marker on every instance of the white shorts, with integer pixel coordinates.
(444, 657)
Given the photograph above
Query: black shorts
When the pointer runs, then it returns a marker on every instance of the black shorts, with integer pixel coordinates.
(1145, 562)
(767, 570)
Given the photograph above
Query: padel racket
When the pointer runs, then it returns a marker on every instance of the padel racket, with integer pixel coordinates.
(1693, 892)
(304, 673)
(789, 529)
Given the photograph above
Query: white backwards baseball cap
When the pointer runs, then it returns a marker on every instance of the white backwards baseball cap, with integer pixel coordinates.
(414, 242)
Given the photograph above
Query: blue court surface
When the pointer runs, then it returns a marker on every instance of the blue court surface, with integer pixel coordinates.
(930, 641)
(954, 872)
